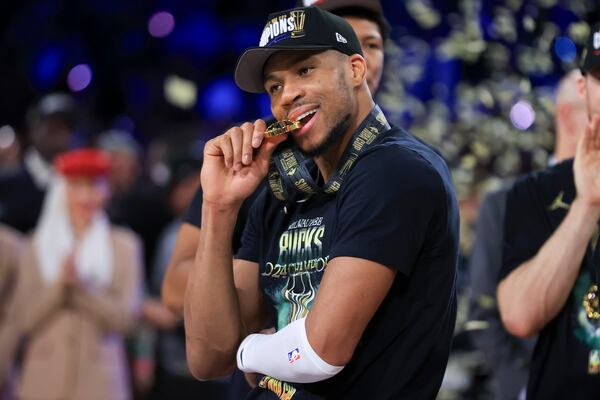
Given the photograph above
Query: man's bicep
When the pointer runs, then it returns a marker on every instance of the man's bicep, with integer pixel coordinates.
(351, 291)
(252, 306)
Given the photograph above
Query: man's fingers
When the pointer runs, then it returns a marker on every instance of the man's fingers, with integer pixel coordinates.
(238, 145)
(247, 134)
(227, 149)
(237, 141)
(259, 133)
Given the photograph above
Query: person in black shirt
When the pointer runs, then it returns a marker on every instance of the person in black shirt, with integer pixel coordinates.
(50, 126)
(356, 257)
(372, 29)
(549, 277)
(367, 19)
(507, 357)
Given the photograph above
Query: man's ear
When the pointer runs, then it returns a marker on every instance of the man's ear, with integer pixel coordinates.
(358, 67)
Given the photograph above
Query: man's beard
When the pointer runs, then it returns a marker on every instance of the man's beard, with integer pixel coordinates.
(333, 137)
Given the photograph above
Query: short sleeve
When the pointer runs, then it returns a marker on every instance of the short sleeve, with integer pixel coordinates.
(389, 204)
(193, 215)
(526, 225)
(252, 235)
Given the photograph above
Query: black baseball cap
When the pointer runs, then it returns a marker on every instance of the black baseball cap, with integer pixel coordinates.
(303, 28)
(591, 60)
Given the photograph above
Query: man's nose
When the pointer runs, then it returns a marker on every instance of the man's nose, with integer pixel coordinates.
(292, 92)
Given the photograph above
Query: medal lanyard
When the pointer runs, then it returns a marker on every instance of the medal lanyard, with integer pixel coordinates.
(289, 172)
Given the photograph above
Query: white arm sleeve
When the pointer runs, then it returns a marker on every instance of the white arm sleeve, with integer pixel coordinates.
(285, 355)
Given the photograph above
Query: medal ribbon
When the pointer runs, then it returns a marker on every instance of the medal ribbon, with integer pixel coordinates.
(289, 171)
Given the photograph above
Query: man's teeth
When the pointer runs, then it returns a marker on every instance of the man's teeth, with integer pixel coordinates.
(306, 114)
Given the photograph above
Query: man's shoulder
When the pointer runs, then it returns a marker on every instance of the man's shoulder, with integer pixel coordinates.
(400, 172)
(546, 185)
(396, 145)
(20, 179)
(496, 199)
(556, 175)
(401, 157)
(538, 202)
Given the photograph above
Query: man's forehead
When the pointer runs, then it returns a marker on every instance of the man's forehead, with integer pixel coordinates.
(365, 24)
(287, 59)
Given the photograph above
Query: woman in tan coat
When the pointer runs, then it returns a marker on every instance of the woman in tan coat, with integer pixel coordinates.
(79, 290)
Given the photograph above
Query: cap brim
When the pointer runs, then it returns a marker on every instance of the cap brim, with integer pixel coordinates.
(250, 65)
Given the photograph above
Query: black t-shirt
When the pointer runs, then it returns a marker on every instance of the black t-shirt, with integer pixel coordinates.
(566, 360)
(396, 207)
(193, 215)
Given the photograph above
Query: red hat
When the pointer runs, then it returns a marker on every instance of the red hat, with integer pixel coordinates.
(83, 162)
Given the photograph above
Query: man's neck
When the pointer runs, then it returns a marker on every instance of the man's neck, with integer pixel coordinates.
(328, 161)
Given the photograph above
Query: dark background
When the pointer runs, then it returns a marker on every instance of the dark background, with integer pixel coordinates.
(455, 70)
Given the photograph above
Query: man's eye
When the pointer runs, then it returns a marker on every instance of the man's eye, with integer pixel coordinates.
(375, 46)
(305, 70)
(274, 88)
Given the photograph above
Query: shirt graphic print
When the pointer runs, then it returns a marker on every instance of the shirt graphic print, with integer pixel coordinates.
(296, 274)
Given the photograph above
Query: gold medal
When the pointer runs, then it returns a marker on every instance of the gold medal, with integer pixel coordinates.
(594, 362)
(282, 127)
(591, 305)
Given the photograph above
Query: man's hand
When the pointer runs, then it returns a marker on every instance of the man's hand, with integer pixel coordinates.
(587, 164)
(236, 162)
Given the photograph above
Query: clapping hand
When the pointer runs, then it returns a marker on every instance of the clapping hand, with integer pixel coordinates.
(587, 164)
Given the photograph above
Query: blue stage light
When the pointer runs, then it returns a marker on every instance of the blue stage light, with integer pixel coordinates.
(47, 67)
(161, 24)
(197, 34)
(222, 99)
(245, 36)
(522, 115)
(79, 77)
(565, 49)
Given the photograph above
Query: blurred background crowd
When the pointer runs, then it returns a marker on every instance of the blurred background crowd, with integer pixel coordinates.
(150, 81)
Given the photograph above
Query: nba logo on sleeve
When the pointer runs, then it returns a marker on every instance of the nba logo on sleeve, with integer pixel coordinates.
(294, 355)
